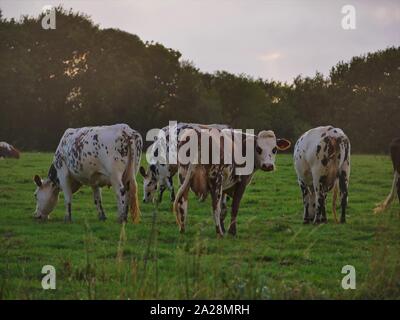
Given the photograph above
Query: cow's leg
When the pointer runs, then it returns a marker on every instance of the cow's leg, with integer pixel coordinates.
(68, 201)
(216, 194)
(320, 200)
(305, 191)
(320, 211)
(161, 191)
(181, 201)
(344, 176)
(312, 207)
(98, 204)
(170, 185)
(122, 199)
(224, 210)
(66, 187)
(237, 197)
(182, 208)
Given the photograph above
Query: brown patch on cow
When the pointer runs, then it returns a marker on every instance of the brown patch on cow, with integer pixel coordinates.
(199, 182)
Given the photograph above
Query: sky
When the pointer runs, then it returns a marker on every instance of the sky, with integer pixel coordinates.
(275, 40)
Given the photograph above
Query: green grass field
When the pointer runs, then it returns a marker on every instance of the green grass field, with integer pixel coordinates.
(274, 255)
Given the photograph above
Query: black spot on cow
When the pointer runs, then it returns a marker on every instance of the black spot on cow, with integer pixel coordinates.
(52, 175)
(325, 161)
(323, 182)
(318, 149)
(96, 138)
(122, 191)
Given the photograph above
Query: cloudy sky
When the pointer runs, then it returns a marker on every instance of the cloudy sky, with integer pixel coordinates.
(269, 39)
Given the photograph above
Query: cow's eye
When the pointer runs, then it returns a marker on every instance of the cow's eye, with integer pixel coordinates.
(275, 150)
(258, 149)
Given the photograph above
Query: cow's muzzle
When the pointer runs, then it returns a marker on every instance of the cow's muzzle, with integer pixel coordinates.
(267, 167)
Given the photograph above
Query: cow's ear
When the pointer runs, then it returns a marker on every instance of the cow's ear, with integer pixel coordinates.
(283, 144)
(37, 180)
(142, 172)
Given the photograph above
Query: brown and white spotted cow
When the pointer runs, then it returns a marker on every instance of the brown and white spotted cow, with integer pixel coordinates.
(159, 175)
(322, 162)
(8, 151)
(221, 179)
(94, 156)
(395, 156)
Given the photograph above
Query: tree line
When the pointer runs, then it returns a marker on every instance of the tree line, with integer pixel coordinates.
(81, 75)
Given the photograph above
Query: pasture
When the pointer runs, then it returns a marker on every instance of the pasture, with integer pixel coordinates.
(274, 256)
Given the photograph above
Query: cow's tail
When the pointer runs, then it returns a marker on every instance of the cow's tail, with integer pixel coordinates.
(129, 178)
(334, 198)
(389, 199)
(182, 189)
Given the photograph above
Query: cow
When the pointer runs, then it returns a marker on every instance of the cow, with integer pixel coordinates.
(97, 157)
(322, 163)
(8, 151)
(222, 179)
(159, 175)
(395, 156)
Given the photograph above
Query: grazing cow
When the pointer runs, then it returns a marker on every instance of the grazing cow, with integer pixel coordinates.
(94, 156)
(222, 179)
(395, 156)
(322, 162)
(8, 151)
(159, 176)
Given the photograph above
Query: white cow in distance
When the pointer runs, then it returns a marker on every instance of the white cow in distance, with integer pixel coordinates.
(8, 151)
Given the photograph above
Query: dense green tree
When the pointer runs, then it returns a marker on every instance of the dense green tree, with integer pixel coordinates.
(79, 74)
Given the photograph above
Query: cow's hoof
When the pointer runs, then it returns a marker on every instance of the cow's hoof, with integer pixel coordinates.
(123, 220)
(232, 232)
(306, 221)
(67, 219)
(220, 233)
(102, 218)
(342, 220)
(324, 220)
(182, 230)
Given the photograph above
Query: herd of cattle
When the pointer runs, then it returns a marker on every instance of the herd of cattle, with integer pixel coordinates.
(110, 156)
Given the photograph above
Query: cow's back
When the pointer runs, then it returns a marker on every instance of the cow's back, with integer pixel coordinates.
(90, 152)
(322, 149)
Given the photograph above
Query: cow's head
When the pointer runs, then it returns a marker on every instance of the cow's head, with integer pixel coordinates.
(150, 182)
(46, 196)
(266, 148)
